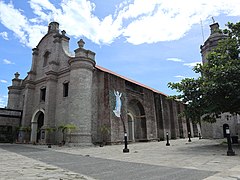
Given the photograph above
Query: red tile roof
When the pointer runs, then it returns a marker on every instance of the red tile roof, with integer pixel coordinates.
(127, 79)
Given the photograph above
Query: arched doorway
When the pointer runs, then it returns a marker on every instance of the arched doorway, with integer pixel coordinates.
(136, 121)
(225, 126)
(40, 122)
(37, 123)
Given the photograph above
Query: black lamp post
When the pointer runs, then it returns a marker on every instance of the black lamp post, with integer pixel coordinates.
(167, 144)
(117, 112)
(230, 151)
(189, 137)
(125, 150)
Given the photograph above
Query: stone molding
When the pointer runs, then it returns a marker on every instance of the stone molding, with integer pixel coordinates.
(83, 63)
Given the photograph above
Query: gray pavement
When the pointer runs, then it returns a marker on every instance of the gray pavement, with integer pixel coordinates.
(199, 159)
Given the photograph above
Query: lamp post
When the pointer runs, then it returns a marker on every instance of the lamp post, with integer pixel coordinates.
(189, 137)
(167, 144)
(117, 112)
(125, 150)
(230, 151)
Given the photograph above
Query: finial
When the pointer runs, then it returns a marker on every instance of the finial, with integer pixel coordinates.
(16, 75)
(81, 43)
(63, 32)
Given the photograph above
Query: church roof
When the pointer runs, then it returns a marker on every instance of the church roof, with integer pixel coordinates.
(127, 79)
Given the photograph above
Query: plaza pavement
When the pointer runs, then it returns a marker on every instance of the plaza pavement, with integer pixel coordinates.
(209, 155)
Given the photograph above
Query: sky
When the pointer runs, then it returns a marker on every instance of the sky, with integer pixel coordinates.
(150, 41)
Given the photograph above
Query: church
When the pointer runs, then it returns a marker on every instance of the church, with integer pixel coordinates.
(68, 97)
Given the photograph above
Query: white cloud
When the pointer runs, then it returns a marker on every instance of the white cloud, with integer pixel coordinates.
(180, 76)
(192, 64)
(5, 61)
(15, 21)
(175, 59)
(171, 20)
(139, 21)
(4, 35)
(3, 81)
(3, 101)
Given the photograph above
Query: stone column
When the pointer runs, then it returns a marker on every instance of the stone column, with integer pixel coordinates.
(50, 106)
(27, 108)
(80, 94)
(33, 137)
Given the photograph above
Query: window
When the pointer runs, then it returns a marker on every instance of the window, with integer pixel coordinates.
(65, 89)
(43, 94)
(45, 58)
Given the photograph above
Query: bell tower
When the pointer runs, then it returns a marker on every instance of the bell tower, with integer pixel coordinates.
(80, 89)
(212, 41)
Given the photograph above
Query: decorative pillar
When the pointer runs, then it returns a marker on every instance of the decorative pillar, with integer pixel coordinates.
(50, 106)
(14, 93)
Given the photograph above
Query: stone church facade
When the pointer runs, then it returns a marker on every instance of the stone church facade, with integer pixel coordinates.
(63, 88)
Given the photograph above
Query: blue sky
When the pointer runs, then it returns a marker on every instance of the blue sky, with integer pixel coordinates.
(150, 41)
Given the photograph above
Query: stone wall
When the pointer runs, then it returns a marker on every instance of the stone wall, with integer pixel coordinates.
(9, 124)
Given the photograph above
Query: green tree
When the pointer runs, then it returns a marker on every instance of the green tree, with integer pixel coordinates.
(49, 131)
(67, 128)
(217, 89)
(105, 130)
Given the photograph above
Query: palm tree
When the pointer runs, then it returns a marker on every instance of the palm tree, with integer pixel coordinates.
(105, 131)
(67, 128)
(49, 130)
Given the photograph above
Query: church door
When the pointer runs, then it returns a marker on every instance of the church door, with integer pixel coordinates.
(40, 122)
(139, 129)
(37, 124)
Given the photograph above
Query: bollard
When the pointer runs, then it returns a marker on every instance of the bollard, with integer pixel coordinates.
(167, 144)
(189, 137)
(230, 151)
(200, 137)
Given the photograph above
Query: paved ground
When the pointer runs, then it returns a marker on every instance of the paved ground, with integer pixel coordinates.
(199, 159)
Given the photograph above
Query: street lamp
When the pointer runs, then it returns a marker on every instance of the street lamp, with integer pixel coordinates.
(230, 151)
(117, 112)
(167, 144)
(125, 150)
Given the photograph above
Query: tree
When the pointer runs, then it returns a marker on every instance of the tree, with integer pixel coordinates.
(217, 89)
(49, 131)
(67, 128)
(105, 130)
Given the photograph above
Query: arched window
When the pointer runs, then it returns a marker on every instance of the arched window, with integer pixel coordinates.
(45, 58)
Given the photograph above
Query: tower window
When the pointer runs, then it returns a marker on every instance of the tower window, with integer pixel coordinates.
(42, 94)
(65, 89)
